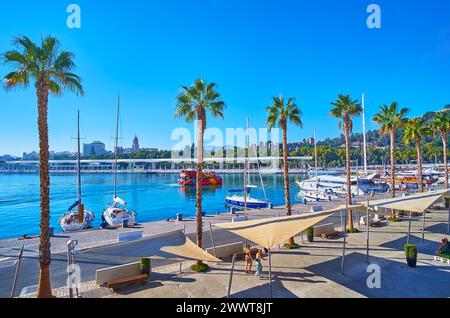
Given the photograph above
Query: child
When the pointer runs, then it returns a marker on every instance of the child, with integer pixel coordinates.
(259, 268)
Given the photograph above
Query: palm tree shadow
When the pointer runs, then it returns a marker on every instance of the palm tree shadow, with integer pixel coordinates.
(155, 281)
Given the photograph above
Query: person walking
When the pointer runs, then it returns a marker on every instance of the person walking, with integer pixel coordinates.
(248, 259)
(259, 268)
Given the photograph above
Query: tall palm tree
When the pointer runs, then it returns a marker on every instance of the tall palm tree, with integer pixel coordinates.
(416, 130)
(281, 114)
(441, 125)
(51, 70)
(194, 103)
(390, 118)
(344, 108)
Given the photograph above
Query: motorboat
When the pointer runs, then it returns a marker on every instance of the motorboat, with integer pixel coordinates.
(189, 178)
(337, 186)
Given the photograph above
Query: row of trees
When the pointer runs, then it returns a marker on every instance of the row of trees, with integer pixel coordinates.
(52, 72)
(391, 118)
(331, 157)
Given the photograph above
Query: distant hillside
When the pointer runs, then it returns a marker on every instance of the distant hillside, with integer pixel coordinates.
(331, 151)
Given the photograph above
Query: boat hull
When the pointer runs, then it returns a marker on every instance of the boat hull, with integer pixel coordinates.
(240, 204)
(70, 223)
(117, 216)
(189, 178)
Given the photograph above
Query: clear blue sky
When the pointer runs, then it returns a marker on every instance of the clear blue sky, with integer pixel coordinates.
(253, 49)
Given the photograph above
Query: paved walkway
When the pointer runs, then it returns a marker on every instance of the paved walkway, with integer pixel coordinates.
(312, 271)
(315, 270)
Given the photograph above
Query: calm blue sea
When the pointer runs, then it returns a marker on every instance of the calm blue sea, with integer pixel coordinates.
(154, 197)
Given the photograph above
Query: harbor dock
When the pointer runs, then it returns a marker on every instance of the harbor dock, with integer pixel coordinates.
(302, 273)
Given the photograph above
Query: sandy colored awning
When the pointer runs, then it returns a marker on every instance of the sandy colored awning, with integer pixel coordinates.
(171, 246)
(272, 232)
(189, 250)
(419, 202)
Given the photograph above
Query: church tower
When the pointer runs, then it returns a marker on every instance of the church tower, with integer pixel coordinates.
(135, 147)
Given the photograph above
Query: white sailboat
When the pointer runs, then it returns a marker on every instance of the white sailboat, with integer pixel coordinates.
(80, 219)
(116, 213)
(241, 199)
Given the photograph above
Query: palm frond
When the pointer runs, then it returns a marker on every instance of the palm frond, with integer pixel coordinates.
(16, 79)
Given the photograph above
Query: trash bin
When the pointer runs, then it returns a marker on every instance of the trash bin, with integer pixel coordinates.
(179, 217)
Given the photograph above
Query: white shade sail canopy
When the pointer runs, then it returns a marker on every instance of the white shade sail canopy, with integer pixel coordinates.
(419, 202)
(271, 232)
(171, 246)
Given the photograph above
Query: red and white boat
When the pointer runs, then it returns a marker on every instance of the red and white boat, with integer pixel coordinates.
(189, 178)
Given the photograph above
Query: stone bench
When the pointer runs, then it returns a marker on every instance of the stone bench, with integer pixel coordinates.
(317, 208)
(374, 220)
(325, 230)
(227, 250)
(107, 275)
(129, 236)
(237, 219)
(127, 281)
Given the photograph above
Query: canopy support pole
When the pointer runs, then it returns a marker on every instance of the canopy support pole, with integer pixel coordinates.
(423, 227)
(270, 272)
(16, 275)
(212, 239)
(448, 222)
(368, 233)
(181, 261)
(231, 275)
(409, 228)
(345, 240)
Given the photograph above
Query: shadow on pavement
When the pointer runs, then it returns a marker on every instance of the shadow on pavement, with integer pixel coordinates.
(397, 279)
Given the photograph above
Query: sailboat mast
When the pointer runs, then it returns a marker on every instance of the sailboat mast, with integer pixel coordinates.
(364, 131)
(78, 160)
(315, 155)
(246, 162)
(116, 146)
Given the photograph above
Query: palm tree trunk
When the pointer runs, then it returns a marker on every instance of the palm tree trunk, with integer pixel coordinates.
(349, 181)
(392, 133)
(444, 141)
(287, 195)
(44, 287)
(419, 167)
(199, 181)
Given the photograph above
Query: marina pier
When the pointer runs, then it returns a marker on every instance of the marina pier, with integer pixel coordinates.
(270, 165)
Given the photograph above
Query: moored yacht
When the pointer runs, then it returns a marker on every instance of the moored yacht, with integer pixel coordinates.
(116, 214)
(337, 186)
(240, 200)
(79, 219)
